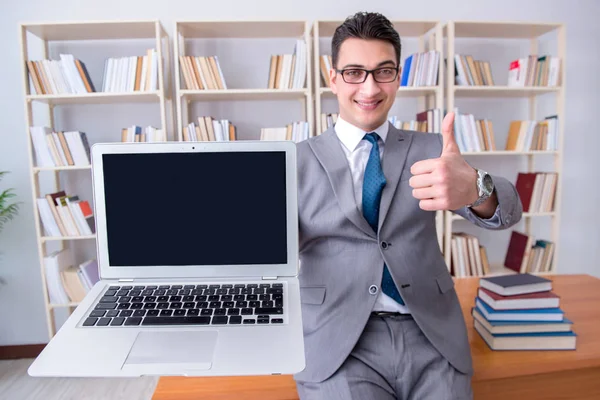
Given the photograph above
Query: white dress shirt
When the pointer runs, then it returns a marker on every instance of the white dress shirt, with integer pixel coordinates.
(357, 152)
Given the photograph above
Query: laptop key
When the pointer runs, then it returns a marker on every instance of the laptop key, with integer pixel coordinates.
(97, 313)
(268, 311)
(112, 314)
(153, 313)
(277, 320)
(139, 313)
(235, 320)
(133, 321)
(249, 321)
(219, 320)
(179, 313)
(107, 306)
(90, 321)
(176, 321)
(103, 322)
(108, 299)
(246, 311)
(117, 321)
(220, 311)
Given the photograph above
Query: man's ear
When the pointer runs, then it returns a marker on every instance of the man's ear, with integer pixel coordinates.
(399, 77)
(332, 80)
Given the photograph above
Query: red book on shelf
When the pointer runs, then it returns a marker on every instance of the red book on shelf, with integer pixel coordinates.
(518, 251)
(524, 185)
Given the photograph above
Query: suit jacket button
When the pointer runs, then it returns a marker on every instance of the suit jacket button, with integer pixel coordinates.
(373, 289)
(384, 245)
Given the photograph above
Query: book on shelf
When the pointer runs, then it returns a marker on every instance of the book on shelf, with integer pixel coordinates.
(64, 215)
(66, 281)
(296, 131)
(328, 120)
(473, 135)
(136, 133)
(325, 63)
(471, 72)
(65, 76)
(469, 257)
(525, 254)
(59, 149)
(210, 129)
(537, 191)
(534, 70)
(288, 71)
(421, 69)
(131, 74)
(528, 135)
(428, 121)
(202, 73)
(521, 312)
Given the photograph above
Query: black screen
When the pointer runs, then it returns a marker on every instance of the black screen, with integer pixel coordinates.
(222, 208)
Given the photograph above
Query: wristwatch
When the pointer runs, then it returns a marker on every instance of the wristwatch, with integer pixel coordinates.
(485, 187)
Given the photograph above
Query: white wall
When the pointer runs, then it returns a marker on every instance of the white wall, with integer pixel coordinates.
(21, 304)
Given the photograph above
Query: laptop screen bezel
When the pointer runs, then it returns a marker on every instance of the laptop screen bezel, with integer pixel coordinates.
(106, 271)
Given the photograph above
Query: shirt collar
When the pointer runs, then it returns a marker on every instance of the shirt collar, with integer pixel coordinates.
(350, 135)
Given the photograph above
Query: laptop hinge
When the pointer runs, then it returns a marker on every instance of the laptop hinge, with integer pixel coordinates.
(126, 280)
(269, 278)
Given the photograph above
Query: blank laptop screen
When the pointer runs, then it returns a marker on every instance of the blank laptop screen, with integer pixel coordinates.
(225, 208)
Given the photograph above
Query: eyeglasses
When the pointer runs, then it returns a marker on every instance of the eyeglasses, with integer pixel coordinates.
(359, 75)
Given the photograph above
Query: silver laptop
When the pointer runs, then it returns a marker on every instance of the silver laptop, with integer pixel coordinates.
(198, 262)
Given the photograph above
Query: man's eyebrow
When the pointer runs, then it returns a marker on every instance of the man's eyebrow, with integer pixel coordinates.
(362, 66)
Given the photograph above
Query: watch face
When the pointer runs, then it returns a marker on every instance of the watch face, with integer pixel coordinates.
(488, 184)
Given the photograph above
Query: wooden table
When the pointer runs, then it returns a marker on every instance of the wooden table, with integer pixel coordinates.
(498, 375)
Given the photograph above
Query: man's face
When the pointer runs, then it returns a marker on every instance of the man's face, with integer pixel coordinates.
(365, 105)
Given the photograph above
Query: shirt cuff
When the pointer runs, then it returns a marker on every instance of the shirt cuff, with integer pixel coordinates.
(492, 222)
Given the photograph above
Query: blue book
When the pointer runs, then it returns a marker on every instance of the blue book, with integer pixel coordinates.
(528, 341)
(406, 70)
(532, 314)
(495, 327)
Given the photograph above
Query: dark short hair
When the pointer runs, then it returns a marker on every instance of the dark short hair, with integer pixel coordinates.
(365, 25)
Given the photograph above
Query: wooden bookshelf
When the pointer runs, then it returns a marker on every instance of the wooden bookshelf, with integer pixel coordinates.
(261, 34)
(43, 41)
(531, 35)
(429, 36)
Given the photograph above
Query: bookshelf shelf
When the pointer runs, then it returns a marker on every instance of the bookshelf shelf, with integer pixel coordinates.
(535, 35)
(51, 80)
(56, 169)
(96, 98)
(61, 238)
(502, 91)
(244, 94)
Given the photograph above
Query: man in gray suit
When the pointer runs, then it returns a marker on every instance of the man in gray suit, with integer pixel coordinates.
(381, 316)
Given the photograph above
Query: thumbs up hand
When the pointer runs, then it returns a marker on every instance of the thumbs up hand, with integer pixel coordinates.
(447, 182)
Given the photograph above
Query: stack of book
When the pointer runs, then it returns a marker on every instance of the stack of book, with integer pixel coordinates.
(521, 312)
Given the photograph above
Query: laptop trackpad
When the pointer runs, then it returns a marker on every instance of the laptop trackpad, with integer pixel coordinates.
(186, 347)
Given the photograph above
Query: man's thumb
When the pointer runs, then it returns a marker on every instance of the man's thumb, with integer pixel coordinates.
(449, 144)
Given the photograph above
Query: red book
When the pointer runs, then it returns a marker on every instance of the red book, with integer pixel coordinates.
(518, 251)
(546, 299)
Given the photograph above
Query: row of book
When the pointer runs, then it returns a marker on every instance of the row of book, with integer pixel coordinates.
(136, 133)
(64, 76)
(521, 312)
(59, 149)
(535, 70)
(523, 254)
(131, 74)
(296, 131)
(68, 282)
(471, 72)
(473, 135)
(527, 135)
(537, 191)
(65, 215)
(288, 71)
(202, 73)
(421, 69)
(210, 129)
(526, 254)
(469, 257)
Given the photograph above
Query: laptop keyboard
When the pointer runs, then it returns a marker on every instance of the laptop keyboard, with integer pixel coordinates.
(168, 305)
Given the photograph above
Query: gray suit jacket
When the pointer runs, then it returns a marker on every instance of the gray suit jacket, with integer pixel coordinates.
(341, 256)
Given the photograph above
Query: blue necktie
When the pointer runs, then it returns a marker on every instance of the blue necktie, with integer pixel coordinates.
(373, 184)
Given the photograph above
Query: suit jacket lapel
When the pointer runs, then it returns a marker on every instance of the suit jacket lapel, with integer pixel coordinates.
(330, 154)
(394, 157)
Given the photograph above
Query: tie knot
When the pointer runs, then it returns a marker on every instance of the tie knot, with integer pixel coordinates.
(371, 137)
